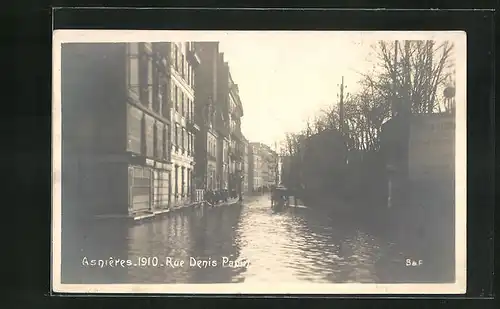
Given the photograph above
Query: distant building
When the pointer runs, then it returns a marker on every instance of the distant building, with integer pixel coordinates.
(237, 140)
(263, 168)
(246, 162)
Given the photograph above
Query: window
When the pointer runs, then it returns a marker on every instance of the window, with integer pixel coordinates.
(159, 140)
(155, 141)
(166, 142)
(176, 55)
(160, 99)
(143, 74)
(172, 53)
(176, 182)
(191, 72)
(183, 140)
(192, 143)
(173, 93)
(179, 100)
(175, 98)
(190, 110)
(165, 106)
(183, 67)
(150, 81)
(133, 68)
(158, 87)
(176, 137)
(150, 149)
(179, 60)
(134, 130)
(183, 182)
(182, 104)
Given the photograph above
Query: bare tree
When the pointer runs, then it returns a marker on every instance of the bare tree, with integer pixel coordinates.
(414, 72)
(408, 76)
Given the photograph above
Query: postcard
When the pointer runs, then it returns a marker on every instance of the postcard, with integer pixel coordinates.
(259, 162)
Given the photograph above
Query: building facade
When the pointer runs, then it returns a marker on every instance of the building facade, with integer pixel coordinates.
(246, 162)
(209, 156)
(219, 108)
(182, 78)
(254, 178)
(236, 138)
(128, 125)
(263, 166)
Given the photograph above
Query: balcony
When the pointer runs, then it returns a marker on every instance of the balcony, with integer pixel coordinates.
(222, 129)
(191, 125)
(235, 113)
(235, 154)
(237, 134)
(192, 56)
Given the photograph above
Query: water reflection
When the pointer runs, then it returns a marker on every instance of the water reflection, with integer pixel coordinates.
(299, 245)
(302, 245)
(195, 234)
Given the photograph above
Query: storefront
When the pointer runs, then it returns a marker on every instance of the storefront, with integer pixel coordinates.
(149, 186)
(139, 181)
(161, 187)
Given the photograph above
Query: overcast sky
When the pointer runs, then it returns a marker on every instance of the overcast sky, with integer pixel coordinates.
(284, 79)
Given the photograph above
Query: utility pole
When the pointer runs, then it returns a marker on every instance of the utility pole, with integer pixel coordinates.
(430, 55)
(394, 79)
(276, 179)
(342, 118)
(341, 107)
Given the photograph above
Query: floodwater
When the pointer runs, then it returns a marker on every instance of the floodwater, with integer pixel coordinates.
(245, 242)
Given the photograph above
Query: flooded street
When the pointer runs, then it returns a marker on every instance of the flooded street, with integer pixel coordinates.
(236, 243)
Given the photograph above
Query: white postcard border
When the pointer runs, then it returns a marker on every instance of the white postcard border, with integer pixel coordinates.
(94, 36)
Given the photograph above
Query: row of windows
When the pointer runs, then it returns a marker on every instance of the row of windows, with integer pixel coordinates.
(147, 136)
(181, 65)
(184, 139)
(145, 78)
(226, 152)
(183, 104)
(212, 146)
(183, 181)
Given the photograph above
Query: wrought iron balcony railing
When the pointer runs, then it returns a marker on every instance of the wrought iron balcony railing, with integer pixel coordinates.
(192, 56)
(192, 125)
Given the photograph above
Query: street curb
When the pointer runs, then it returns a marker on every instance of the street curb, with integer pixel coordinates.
(139, 218)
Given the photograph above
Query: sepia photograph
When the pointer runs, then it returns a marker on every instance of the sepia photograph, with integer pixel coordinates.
(259, 162)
